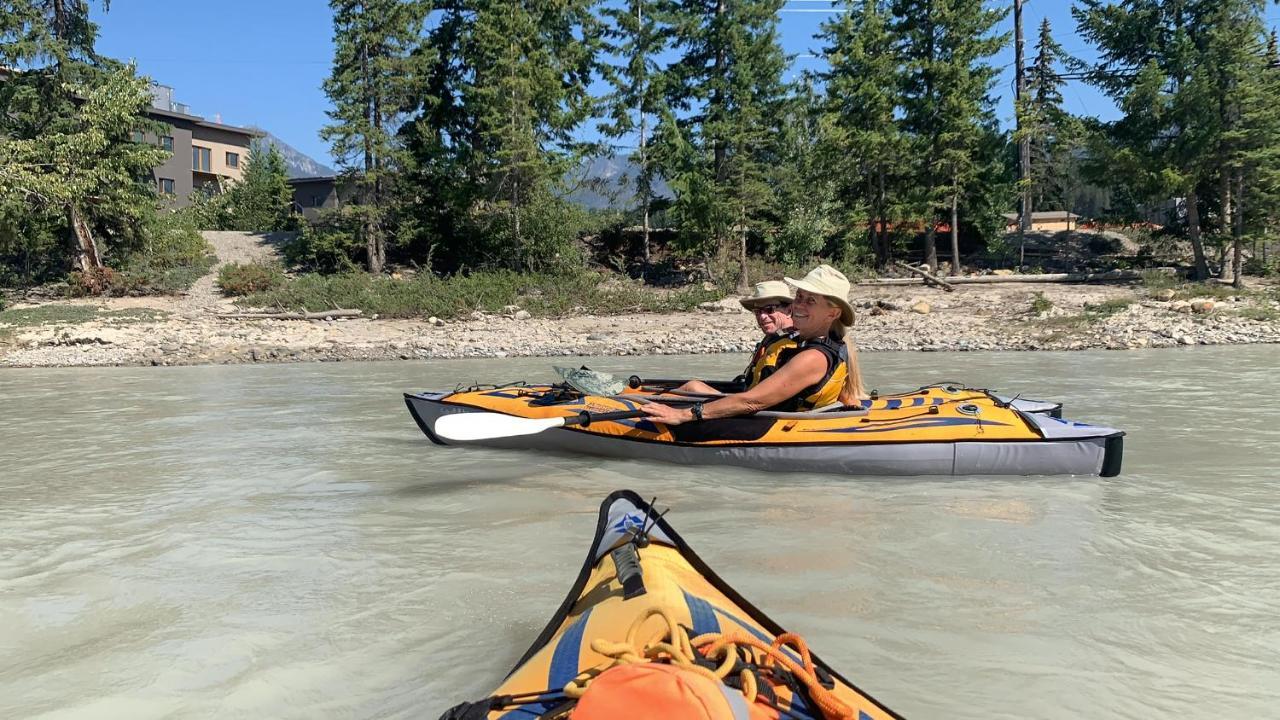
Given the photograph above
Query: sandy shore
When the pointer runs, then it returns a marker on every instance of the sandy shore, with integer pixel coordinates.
(185, 330)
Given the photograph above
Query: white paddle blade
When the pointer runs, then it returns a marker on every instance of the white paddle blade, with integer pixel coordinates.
(464, 427)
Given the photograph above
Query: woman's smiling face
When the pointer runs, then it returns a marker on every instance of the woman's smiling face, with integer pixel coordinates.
(812, 315)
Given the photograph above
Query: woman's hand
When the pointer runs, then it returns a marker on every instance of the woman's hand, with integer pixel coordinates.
(666, 414)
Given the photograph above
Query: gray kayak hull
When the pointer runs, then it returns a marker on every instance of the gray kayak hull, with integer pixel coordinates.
(1068, 449)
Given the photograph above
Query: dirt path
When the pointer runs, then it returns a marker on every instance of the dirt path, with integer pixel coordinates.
(231, 247)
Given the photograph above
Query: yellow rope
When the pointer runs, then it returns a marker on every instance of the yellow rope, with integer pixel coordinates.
(674, 645)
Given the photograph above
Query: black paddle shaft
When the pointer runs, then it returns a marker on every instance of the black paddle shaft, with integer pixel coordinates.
(585, 418)
(635, 382)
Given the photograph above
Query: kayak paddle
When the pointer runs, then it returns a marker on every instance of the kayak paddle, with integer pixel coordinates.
(466, 426)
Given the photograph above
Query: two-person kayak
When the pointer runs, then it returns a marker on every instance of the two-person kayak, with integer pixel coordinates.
(649, 631)
(937, 430)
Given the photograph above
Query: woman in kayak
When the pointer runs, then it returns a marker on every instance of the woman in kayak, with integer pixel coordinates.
(820, 370)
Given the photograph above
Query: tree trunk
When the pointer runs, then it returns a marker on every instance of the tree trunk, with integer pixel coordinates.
(644, 161)
(1024, 143)
(931, 245)
(955, 233)
(1225, 257)
(1237, 230)
(87, 255)
(369, 194)
(743, 281)
(1193, 234)
(884, 221)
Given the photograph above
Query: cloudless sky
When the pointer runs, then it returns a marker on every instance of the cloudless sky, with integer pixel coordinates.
(261, 63)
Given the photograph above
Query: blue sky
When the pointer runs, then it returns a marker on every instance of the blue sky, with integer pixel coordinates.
(262, 63)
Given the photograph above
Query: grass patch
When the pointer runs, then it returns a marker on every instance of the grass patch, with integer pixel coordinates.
(1106, 308)
(15, 318)
(457, 296)
(1260, 314)
(1211, 290)
(1040, 303)
(1153, 280)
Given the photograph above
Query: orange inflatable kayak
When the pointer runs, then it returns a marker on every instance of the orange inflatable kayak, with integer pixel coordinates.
(649, 631)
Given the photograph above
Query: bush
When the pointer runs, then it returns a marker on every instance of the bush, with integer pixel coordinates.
(803, 235)
(328, 244)
(1040, 303)
(237, 279)
(545, 295)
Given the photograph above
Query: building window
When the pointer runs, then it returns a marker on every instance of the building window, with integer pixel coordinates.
(317, 201)
(137, 136)
(233, 160)
(200, 158)
(166, 186)
(166, 142)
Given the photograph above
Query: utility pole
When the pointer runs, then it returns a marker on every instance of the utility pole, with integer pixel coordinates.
(1024, 140)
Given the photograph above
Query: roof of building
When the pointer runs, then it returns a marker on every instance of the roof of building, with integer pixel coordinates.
(1045, 216)
(197, 120)
(312, 179)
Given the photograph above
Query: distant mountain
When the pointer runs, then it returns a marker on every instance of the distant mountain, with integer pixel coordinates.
(295, 162)
(609, 182)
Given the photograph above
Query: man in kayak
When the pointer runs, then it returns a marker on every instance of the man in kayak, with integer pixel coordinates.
(819, 370)
(770, 303)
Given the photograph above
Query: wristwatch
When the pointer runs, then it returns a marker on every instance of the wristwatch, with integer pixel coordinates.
(696, 409)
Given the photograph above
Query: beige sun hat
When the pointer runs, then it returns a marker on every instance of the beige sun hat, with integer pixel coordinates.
(769, 291)
(830, 283)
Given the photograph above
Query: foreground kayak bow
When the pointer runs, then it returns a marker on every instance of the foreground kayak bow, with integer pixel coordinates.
(646, 614)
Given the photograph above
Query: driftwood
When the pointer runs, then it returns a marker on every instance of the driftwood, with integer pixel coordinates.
(1108, 276)
(323, 314)
(928, 277)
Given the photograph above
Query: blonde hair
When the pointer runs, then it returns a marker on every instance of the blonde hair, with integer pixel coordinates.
(853, 391)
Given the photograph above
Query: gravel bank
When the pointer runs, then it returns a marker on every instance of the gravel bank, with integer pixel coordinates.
(895, 318)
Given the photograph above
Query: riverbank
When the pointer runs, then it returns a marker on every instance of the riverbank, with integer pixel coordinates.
(173, 331)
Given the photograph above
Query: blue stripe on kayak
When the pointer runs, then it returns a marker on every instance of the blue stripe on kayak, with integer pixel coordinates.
(894, 426)
(893, 404)
(702, 614)
(564, 661)
(863, 716)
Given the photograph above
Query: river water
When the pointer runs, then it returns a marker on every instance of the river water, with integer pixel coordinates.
(280, 541)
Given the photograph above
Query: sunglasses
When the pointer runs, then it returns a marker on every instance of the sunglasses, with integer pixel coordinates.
(772, 308)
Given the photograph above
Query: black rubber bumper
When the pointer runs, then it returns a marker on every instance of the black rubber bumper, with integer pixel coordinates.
(1113, 456)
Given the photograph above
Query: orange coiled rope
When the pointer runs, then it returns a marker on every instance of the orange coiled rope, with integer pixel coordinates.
(673, 645)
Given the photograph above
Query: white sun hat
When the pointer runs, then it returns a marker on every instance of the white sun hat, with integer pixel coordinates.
(769, 291)
(830, 283)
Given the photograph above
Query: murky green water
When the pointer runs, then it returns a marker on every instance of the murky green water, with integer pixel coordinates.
(281, 541)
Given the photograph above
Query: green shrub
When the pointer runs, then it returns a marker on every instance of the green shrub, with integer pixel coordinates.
(1107, 308)
(328, 244)
(543, 295)
(237, 279)
(1040, 303)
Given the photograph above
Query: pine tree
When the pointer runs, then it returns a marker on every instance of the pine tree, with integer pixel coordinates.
(1168, 66)
(728, 98)
(1257, 151)
(498, 124)
(375, 71)
(262, 200)
(864, 147)
(943, 45)
(1055, 136)
(636, 94)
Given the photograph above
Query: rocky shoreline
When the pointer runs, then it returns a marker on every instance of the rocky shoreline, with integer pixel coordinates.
(1025, 317)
